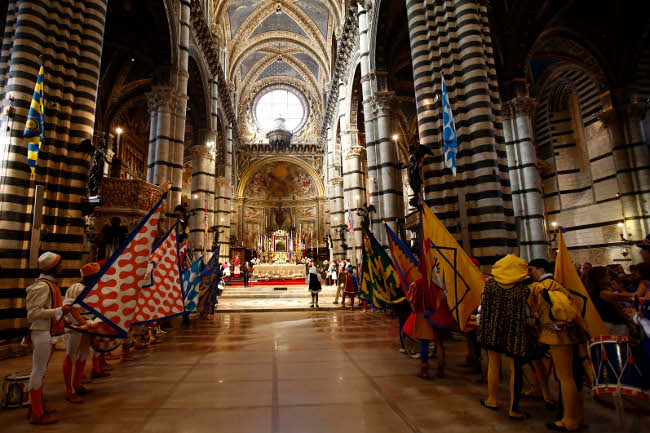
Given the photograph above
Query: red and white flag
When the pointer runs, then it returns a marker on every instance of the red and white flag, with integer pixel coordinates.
(114, 292)
(162, 298)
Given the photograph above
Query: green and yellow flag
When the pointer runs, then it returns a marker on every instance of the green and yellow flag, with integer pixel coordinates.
(463, 282)
(35, 124)
(380, 282)
(566, 274)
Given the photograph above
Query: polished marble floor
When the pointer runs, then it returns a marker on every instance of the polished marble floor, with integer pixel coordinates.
(314, 371)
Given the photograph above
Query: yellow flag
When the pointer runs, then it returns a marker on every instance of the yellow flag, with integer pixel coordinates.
(567, 275)
(463, 281)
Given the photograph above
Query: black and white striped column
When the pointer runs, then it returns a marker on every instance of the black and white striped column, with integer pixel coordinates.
(337, 214)
(390, 194)
(367, 86)
(72, 68)
(453, 36)
(203, 165)
(223, 199)
(632, 164)
(524, 178)
(354, 190)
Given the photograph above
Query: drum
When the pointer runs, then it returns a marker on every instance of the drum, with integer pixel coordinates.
(618, 379)
(14, 391)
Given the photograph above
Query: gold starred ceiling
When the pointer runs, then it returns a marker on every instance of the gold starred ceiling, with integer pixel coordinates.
(277, 45)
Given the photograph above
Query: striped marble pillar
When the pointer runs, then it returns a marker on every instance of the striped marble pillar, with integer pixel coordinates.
(72, 69)
(390, 193)
(353, 191)
(632, 166)
(223, 199)
(524, 177)
(368, 82)
(453, 36)
(337, 214)
(203, 192)
(162, 107)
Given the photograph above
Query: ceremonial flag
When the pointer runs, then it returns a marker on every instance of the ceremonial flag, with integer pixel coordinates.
(566, 274)
(448, 129)
(463, 282)
(35, 124)
(380, 284)
(163, 297)
(350, 223)
(208, 284)
(407, 266)
(113, 293)
(191, 280)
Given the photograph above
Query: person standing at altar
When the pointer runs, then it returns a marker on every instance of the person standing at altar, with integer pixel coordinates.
(226, 270)
(237, 271)
(315, 284)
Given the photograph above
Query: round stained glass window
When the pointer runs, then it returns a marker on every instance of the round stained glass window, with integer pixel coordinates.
(279, 103)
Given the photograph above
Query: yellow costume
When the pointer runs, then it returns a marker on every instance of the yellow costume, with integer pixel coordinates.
(561, 329)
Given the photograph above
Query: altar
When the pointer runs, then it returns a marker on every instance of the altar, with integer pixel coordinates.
(278, 272)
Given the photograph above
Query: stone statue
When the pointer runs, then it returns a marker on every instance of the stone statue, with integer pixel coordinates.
(365, 212)
(341, 231)
(414, 166)
(97, 171)
(184, 214)
(215, 240)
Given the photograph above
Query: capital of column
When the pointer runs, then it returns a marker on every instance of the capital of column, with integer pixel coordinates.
(519, 107)
(203, 151)
(354, 151)
(382, 103)
(221, 181)
(336, 182)
(163, 98)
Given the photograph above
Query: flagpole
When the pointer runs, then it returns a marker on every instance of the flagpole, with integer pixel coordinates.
(205, 231)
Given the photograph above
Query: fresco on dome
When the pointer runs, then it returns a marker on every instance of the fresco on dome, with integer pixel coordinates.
(278, 22)
(238, 11)
(317, 11)
(280, 180)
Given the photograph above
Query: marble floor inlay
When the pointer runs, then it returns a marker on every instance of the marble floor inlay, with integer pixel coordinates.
(303, 371)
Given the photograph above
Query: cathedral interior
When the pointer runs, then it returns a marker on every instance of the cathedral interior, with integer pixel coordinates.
(286, 128)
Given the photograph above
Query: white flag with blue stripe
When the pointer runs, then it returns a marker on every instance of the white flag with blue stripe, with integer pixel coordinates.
(448, 130)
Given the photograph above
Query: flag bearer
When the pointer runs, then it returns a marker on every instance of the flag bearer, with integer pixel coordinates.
(44, 312)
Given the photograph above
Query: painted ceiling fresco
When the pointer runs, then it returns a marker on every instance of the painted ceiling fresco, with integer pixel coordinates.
(238, 11)
(260, 30)
(309, 61)
(280, 180)
(280, 69)
(278, 22)
(318, 13)
(250, 61)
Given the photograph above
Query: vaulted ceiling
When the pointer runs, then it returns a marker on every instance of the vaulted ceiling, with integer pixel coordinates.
(277, 41)
(258, 32)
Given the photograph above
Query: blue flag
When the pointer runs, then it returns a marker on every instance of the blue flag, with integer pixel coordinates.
(35, 124)
(208, 283)
(191, 280)
(448, 129)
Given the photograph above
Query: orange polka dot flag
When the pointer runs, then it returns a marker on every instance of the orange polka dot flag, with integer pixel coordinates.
(113, 295)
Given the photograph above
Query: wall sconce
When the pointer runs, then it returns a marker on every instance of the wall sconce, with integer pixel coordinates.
(625, 237)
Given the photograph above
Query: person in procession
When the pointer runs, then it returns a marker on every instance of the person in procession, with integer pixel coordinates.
(78, 344)
(45, 310)
(503, 320)
(563, 331)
